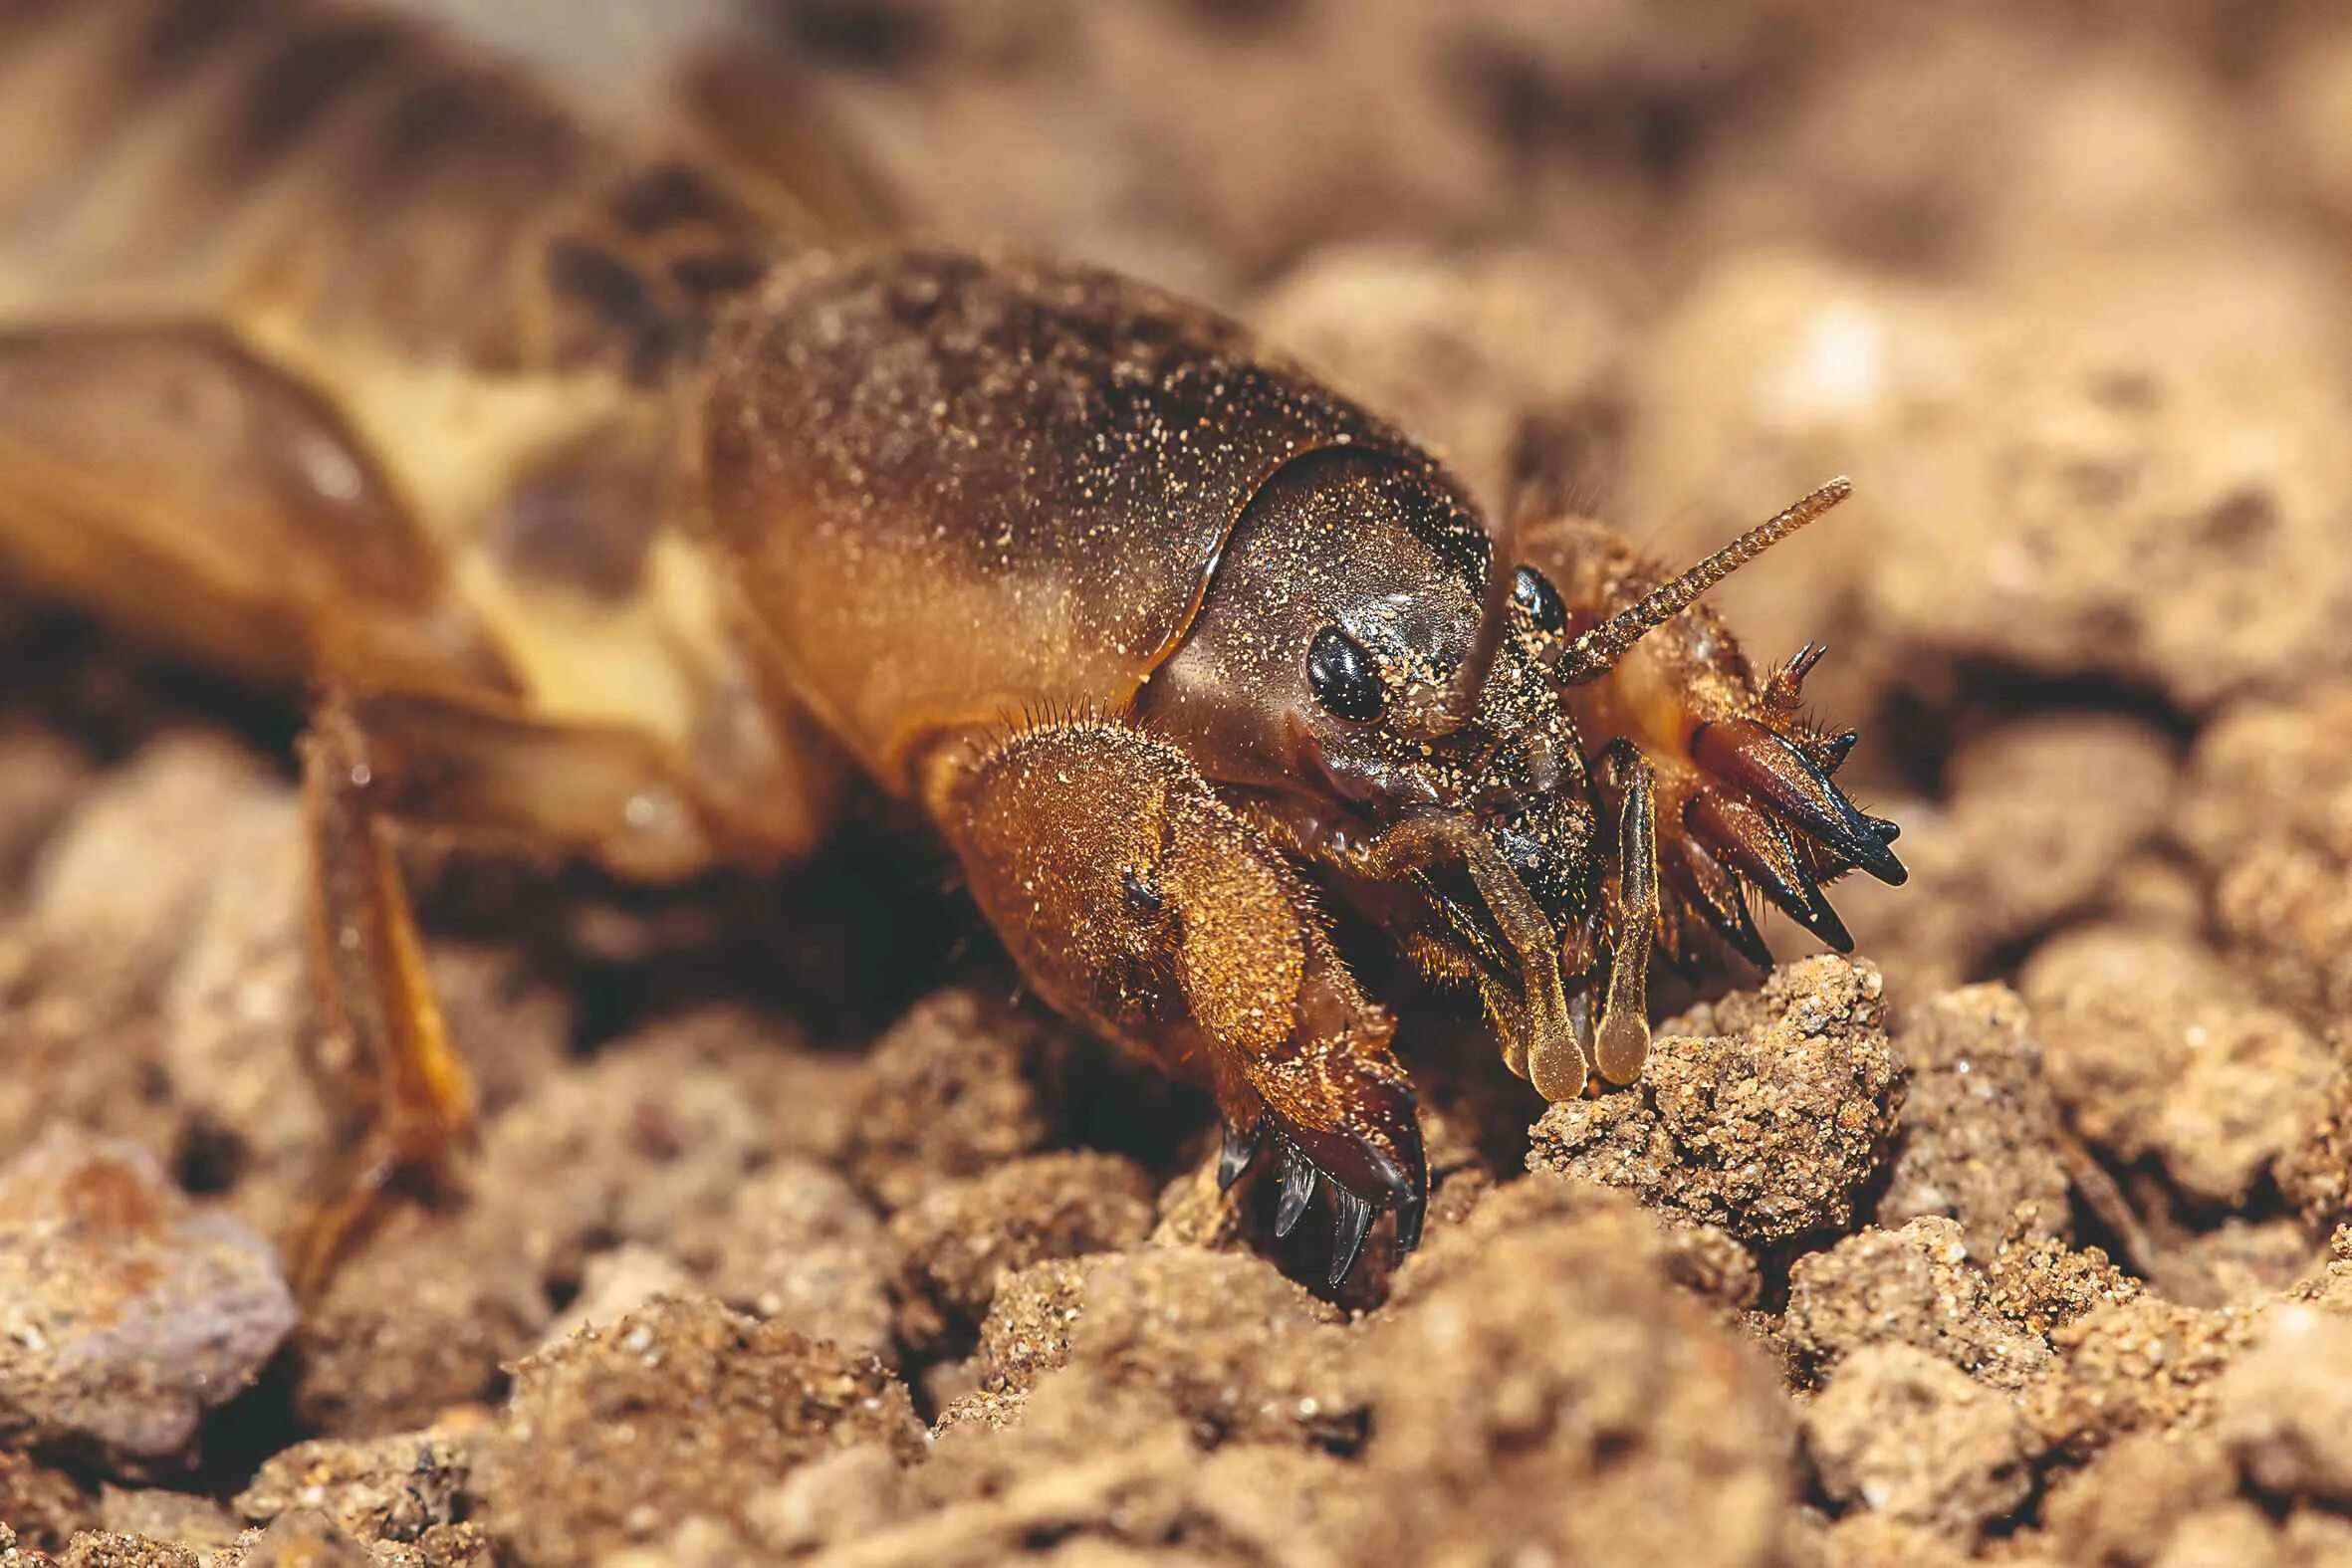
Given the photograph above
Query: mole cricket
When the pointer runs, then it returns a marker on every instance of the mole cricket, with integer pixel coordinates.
(631, 503)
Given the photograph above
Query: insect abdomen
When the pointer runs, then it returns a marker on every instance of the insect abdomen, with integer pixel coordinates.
(351, 171)
(488, 301)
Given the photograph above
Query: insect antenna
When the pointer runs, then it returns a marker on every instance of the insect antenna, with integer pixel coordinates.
(1597, 651)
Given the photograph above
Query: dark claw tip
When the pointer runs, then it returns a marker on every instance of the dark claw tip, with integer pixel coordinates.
(1297, 1187)
(1777, 774)
(1823, 923)
(1409, 1216)
(1891, 872)
(1239, 1148)
(1351, 1221)
(1737, 929)
(1376, 1163)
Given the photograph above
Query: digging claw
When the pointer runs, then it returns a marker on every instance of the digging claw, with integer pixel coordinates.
(1351, 1221)
(1375, 1164)
(1707, 887)
(1409, 1216)
(1736, 927)
(1823, 921)
(1771, 771)
(1298, 1175)
(1239, 1149)
(1759, 848)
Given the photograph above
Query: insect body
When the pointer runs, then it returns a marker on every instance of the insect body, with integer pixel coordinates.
(629, 506)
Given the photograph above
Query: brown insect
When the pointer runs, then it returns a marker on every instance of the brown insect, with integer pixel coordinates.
(630, 505)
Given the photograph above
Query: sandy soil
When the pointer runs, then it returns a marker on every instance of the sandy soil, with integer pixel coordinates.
(795, 1236)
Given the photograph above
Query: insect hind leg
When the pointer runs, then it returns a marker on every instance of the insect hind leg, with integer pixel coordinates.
(375, 767)
(405, 1093)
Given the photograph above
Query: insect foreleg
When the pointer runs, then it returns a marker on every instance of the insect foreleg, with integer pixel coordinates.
(1136, 900)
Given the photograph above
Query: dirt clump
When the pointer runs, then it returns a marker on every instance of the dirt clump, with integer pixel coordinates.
(1534, 1354)
(798, 1245)
(2128, 1504)
(1916, 1288)
(1979, 1138)
(392, 1488)
(1173, 1395)
(1260, 1359)
(2316, 1176)
(679, 1411)
(2106, 468)
(2132, 1365)
(956, 1085)
(569, 1173)
(2281, 1408)
(2040, 1283)
(420, 1318)
(1028, 1327)
(962, 1238)
(1763, 1114)
(43, 1503)
(127, 1312)
(182, 1518)
(1905, 1434)
(2157, 1052)
(613, 1284)
(2263, 815)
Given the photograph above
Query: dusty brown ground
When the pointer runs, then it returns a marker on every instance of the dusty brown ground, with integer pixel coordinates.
(791, 1238)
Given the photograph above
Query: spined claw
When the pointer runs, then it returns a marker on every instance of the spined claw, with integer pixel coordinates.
(1239, 1149)
(1785, 689)
(1707, 887)
(1772, 771)
(1374, 1163)
(1756, 846)
(1409, 1216)
(1351, 1221)
(1823, 921)
(1299, 1176)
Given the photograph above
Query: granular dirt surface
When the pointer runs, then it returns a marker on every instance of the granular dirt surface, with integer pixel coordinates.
(794, 1233)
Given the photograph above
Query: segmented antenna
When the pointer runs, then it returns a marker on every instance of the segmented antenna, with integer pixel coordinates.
(1596, 652)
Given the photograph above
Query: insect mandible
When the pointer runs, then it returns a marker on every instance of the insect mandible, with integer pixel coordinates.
(631, 502)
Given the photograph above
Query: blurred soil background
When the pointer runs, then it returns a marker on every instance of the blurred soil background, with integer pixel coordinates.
(795, 1236)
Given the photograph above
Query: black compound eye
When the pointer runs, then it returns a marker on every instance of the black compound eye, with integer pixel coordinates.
(1342, 677)
(1535, 593)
